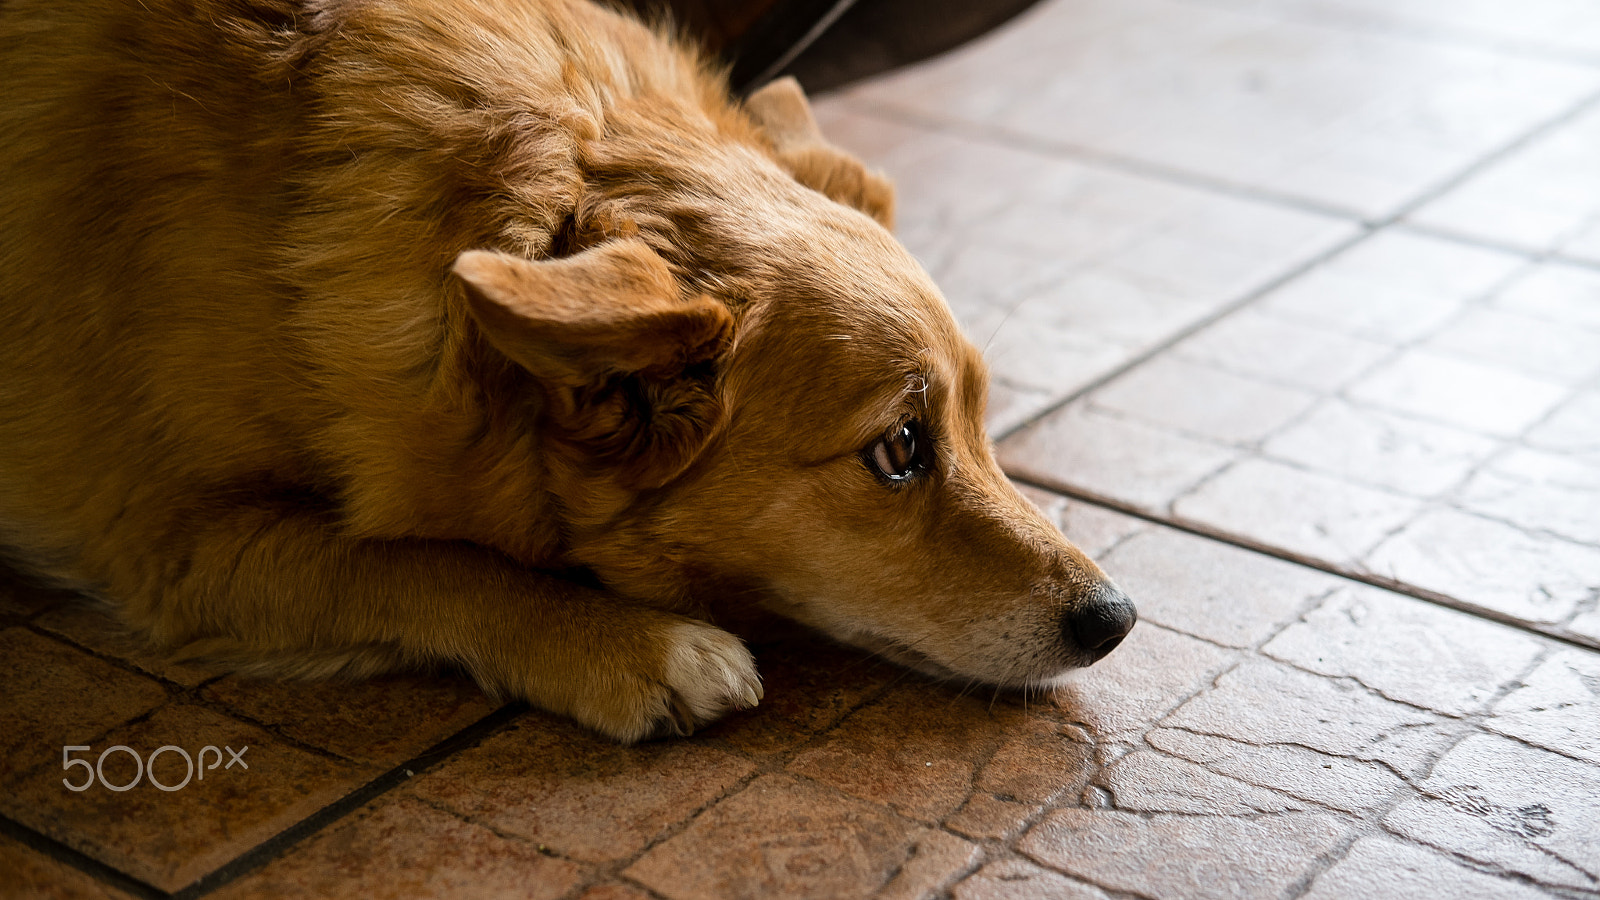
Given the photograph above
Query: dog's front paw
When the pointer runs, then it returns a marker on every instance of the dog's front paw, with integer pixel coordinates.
(708, 672)
(703, 673)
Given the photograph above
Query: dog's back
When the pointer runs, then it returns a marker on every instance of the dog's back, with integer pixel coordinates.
(124, 338)
(225, 227)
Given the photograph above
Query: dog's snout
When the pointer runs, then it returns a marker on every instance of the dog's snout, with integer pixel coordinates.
(1099, 623)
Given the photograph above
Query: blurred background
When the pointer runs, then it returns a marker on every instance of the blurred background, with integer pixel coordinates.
(828, 43)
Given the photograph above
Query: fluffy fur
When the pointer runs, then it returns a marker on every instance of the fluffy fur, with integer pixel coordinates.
(348, 335)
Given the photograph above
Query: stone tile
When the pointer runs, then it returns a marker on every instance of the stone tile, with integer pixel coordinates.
(1173, 855)
(95, 630)
(811, 683)
(1534, 199)
(1511, 807)
(170, 838)
(1092, 529)
(1489, 564)
(1175, 278)
(1379, 868)
(1264, 704)
(1278, 105)
(1382, 449)
(1153, 671)
(584, 797)
(1015, 879)
(1536, 347)
(1393, 288)
(1557, 707)
(56, 697)
(1485, 399)
(1563, 294)
(1080, 215)
(936, 861)
(1362, 306)
(1202, 401)
(1539, 492)
(918, 748)
(402, 848)
(1222, 250)
(1034, 351)
(1429, 265)
(1584, 245)
(1039, 760)
(1346, 784)
(1407, 650)
(32, 874)
(1484, 210)
(784, 837)
(1256, 343)
(1211, 590)
(1265, 229)
(1365, 169)
(1010, 406)
(985, 282)
(385, 720)
(1096, 314)
(1062, 338)
(1111, 457)
(1573, 429)
(1587, 625)
(1304, 512)
(1148, 782)
(985, 817)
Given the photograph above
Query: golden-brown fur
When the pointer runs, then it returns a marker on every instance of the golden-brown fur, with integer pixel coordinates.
(345, 335)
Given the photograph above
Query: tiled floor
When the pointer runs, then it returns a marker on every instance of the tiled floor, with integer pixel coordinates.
(1294, 307)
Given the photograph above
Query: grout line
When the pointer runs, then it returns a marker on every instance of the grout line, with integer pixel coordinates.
(1320, 565)
(1536, 255)
(77, 859)
(637, 885)
(280, 843)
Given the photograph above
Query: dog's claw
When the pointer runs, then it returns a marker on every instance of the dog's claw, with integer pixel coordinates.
(753, 695)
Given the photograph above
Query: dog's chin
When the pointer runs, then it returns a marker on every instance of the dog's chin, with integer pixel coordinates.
(903, 654)
(896, 652)
(917, 661)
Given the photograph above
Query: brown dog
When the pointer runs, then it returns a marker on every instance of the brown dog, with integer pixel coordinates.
(347, 335)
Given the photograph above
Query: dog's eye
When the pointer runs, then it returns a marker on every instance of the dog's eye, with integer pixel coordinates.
(900, 453)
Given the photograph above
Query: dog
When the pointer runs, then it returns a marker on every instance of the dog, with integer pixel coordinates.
(346, 336)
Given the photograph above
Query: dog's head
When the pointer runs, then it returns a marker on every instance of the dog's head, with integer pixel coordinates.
(755, 394)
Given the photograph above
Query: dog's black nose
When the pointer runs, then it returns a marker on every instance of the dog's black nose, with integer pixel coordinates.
(1099, 623)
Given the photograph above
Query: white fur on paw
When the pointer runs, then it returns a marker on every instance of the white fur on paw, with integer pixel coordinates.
(708, 671)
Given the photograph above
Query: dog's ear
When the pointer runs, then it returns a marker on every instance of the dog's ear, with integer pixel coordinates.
(626, 360)
(784, 116)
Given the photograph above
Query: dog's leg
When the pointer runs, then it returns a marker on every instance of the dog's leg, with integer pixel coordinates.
(274, 587)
